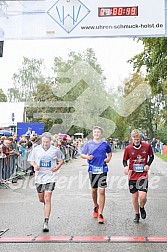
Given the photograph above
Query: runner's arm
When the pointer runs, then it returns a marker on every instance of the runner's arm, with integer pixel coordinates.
(125, 163)
(36, 167)
(86, 156)
(109, 156)
(56, 168)
(126, 167)
(151, 158)
(147, 166)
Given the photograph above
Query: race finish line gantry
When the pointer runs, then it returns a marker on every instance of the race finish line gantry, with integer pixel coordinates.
(51, 19)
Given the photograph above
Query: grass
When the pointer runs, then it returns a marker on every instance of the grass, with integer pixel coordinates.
(163, 156)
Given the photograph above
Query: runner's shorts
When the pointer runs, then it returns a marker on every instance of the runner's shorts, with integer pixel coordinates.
(98, 180)
(138, 185)
(45, 187)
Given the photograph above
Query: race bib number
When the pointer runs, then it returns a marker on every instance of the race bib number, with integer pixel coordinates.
(138, 167)
(45, 164)
(97, 169)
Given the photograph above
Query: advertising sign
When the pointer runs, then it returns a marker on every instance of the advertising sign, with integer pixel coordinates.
(81, 18)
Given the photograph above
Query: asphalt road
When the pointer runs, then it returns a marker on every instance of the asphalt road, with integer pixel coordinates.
(21, 215)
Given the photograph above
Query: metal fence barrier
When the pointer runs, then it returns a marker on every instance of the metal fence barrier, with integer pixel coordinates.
(8, 168)
(23, 164)
(11, 165)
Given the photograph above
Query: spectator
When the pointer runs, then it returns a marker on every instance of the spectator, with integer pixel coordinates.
(153, 144)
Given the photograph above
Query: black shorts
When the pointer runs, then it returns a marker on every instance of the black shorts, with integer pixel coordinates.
(45, 187)
(138, 185)
(98, 180)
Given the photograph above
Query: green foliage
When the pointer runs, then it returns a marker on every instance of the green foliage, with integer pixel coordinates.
(88, 95)
(91, 101)
(3, 97)
(161, 134)
(88, 91)
(26, 80)
(40, 109)
(154, 60)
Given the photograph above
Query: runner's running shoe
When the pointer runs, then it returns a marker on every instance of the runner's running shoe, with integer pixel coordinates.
(95, 211)
(136, 219)
(100, 219)
(143, 213)
(45, 227)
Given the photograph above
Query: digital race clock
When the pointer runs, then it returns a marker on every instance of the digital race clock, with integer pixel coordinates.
(117, 11)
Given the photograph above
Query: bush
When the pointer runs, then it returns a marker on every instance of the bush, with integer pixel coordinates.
(161, 134)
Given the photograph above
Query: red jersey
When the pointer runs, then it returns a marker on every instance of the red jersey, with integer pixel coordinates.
(138, 158)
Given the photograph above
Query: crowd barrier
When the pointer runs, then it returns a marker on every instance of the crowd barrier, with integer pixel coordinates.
(69, 152)
(23, 164)
(10, 166)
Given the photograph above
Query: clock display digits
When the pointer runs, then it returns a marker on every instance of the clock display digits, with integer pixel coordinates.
(118, 11)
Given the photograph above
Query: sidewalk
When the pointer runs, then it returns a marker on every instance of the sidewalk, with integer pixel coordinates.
(21, 214)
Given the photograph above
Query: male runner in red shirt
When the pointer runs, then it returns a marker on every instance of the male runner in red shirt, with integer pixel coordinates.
(140, 156)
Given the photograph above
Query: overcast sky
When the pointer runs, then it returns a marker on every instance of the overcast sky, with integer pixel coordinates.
(112, 54)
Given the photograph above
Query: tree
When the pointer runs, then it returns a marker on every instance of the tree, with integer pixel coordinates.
(161, 134)
(84, 88)
(26, 80)
(154, 60)
(144, 116)
(77, 98)
(3, 97)
(40, 109)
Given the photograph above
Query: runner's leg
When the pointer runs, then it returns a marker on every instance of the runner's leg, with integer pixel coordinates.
(47, 199)
(41, 197)
(142, 198)
(135, 202)
(94, 196)
(101, 199)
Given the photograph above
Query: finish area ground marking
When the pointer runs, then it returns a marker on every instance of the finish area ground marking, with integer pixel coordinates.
(83, 239)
